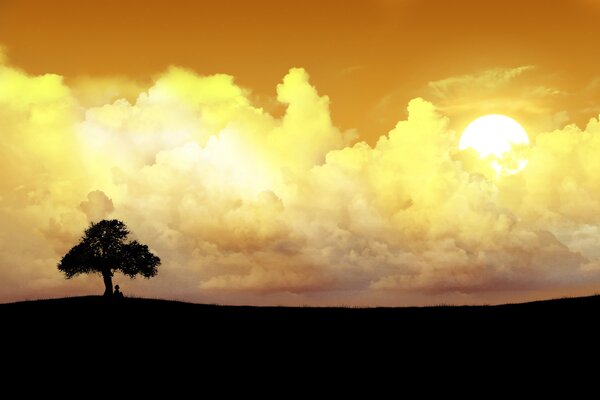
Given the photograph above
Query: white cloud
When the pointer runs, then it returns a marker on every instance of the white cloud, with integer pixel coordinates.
(239, 203)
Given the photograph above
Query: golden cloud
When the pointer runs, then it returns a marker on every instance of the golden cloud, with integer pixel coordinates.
(243, 204)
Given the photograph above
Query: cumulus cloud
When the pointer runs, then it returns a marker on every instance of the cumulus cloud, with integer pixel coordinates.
(242, 205)
(97, 206)
(97, 91)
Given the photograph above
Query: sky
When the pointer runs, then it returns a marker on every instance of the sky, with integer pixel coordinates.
(302, 152)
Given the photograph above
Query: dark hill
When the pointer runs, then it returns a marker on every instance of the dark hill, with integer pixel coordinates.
(146, 330)
(132, 312)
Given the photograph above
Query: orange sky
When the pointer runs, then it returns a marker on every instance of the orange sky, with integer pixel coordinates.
(303, 152)
(369, 57)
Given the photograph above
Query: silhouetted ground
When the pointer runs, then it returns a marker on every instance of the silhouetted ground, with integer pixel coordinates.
(178, 338)
(137, 313)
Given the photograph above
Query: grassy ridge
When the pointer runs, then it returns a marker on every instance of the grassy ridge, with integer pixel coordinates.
(90, 308)
(144, 330)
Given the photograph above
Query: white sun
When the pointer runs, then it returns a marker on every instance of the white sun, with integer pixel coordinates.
(498, 138)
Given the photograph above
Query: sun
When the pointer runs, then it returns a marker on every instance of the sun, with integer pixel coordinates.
(498, 139)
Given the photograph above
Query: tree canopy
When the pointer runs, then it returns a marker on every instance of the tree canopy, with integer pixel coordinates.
(104, 249)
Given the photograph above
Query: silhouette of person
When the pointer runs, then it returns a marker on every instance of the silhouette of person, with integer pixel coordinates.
(118, 294)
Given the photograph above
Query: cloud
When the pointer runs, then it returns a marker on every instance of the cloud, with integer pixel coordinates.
(244, 206)
(487, 80)
(525, 92)
(544, 91)
(97, 206)
(98, 91)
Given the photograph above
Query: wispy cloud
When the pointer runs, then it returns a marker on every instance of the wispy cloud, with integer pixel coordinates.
(487, 80)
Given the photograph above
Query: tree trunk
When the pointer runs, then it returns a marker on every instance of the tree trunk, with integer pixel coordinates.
(108, 286)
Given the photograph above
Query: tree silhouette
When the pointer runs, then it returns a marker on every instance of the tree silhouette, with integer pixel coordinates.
(103, 249)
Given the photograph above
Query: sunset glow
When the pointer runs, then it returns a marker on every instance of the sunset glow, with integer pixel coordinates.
(303, 152)
(498, 138)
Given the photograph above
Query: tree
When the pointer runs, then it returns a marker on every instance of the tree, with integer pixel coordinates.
(104, 249)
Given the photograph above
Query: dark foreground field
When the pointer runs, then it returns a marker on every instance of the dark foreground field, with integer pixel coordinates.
(131, 314)
(146, 332)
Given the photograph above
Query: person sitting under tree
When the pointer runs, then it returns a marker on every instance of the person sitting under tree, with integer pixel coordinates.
(117, 293)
